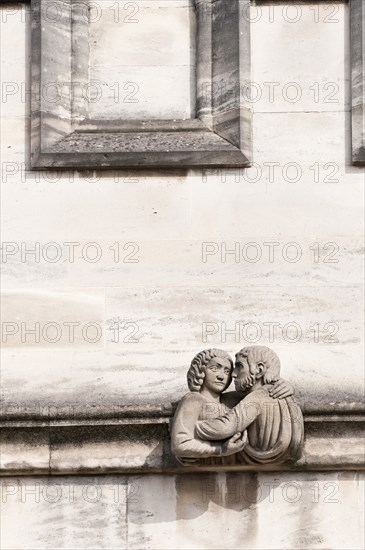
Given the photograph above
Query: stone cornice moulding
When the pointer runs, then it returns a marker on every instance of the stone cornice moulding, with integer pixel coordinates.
(136, 439)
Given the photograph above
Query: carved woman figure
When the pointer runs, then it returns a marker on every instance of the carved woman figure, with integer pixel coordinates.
(209, 375)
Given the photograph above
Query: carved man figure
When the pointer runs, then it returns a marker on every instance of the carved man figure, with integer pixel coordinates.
(208, 376)
(274, 427)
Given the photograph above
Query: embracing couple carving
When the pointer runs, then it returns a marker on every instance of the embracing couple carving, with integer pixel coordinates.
(259, 423)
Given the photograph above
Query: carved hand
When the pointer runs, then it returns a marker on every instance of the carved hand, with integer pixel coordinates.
(281, 389)
(235, 444)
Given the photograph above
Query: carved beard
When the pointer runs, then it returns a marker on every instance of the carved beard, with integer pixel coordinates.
(245, 381)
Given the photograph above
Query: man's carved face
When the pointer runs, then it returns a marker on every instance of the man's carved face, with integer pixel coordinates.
(217, 374)
(243, 378)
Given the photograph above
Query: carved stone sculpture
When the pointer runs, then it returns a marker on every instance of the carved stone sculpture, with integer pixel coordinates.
(259, 423)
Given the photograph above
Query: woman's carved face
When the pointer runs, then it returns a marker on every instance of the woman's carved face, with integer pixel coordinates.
(217, 374)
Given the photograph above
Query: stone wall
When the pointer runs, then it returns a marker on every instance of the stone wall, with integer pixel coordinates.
(150, 279)
(245, 511)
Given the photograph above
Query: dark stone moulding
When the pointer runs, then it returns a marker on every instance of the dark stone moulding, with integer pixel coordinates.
(357, 8)
(136, 439)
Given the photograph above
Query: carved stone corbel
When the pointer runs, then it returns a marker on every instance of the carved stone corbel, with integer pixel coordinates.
(259, 423)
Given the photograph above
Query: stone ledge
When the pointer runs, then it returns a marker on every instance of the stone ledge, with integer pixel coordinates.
(135, 439)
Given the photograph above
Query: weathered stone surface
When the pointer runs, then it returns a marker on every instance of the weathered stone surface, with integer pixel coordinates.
(132, 149)
(194, 511)
(24, 450)
(32, 318)
(109, 448)
(184, 266)
(331, 442)
(120, 376)
(59, 513)
(131, 80)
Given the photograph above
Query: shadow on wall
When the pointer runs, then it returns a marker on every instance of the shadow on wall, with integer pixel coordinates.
(188, 496)
(235, 506)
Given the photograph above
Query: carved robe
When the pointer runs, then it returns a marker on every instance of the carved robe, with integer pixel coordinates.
(275, 428)
(185, 445)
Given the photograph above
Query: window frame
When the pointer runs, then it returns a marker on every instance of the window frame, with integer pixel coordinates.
(61, 135)
(357, 16)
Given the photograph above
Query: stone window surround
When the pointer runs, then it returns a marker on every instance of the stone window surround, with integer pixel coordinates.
(61, 135)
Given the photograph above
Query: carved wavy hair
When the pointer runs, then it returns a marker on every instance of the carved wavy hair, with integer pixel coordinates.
(262, 354)
(196, 372)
